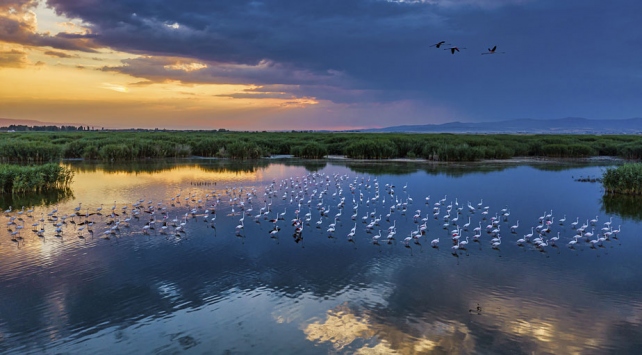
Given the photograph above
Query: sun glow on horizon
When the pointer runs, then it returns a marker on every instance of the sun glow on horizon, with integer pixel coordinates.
(90, 88)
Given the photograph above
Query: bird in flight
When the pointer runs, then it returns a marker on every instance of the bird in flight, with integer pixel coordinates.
(439, 44)
(493, 51)
(453, 49)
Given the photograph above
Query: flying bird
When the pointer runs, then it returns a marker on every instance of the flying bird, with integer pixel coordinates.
(493, 51)
(439, 44)
(453, 49)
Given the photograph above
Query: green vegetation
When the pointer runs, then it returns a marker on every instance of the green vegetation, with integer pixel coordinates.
(625, 179)
(38, 178)
(115, 146)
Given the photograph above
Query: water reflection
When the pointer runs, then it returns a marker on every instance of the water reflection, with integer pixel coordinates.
(626, 207)
(164, 166)
(213, 288)
(44, 198)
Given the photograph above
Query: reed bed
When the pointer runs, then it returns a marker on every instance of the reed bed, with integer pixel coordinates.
(625, 179)
(17, 179)
(113, 146)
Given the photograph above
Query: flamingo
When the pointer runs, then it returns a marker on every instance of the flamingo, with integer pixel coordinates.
(463, 244)
(375, 239)
(454, 49)
(512, 228)
(574, 224)
(439, 44)
(467, 224)
(493, 51)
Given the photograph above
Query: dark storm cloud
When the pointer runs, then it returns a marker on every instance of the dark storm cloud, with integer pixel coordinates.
(581, 51)
(312, 35)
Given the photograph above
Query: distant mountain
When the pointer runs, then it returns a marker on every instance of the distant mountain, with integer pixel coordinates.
(569, 125)
(5, 122)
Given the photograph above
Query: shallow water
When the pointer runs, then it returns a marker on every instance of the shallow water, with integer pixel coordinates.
(212, 289)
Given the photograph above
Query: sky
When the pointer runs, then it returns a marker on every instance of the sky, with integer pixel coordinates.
(317, 64)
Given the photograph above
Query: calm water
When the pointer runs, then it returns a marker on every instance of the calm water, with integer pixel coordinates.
(213, 288)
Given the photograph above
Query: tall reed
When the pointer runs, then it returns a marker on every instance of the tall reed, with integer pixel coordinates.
(36, 178)
(624, 179)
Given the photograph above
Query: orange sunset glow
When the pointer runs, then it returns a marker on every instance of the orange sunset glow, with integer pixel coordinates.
(77, 87)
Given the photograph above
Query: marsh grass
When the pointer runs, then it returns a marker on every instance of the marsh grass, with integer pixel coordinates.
(625, 179)
(114, 146)
(17, 179)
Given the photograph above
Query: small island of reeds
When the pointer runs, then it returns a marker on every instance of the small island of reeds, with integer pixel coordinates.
(37, 178)
(625, 179)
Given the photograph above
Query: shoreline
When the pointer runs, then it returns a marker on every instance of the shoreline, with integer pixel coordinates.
(343, 158)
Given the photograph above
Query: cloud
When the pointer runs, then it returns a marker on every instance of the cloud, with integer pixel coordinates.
(59, 54)
(13, 59)
(162, 69)
(370, 51)
(18, 24)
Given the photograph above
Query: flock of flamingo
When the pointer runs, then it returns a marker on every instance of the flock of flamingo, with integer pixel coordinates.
(313, 204)
(454, 49)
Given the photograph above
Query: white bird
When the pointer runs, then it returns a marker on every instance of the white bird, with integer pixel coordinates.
(467, 224)
(375, 239)
(574, 224)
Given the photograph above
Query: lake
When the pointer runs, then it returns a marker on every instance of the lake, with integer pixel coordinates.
(218, 257)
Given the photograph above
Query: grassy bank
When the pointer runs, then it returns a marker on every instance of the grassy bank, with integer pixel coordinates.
(38, 178)
(625, 179)
(129, 146)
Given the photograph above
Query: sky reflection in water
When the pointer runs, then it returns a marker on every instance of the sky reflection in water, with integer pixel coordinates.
(211, 290)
